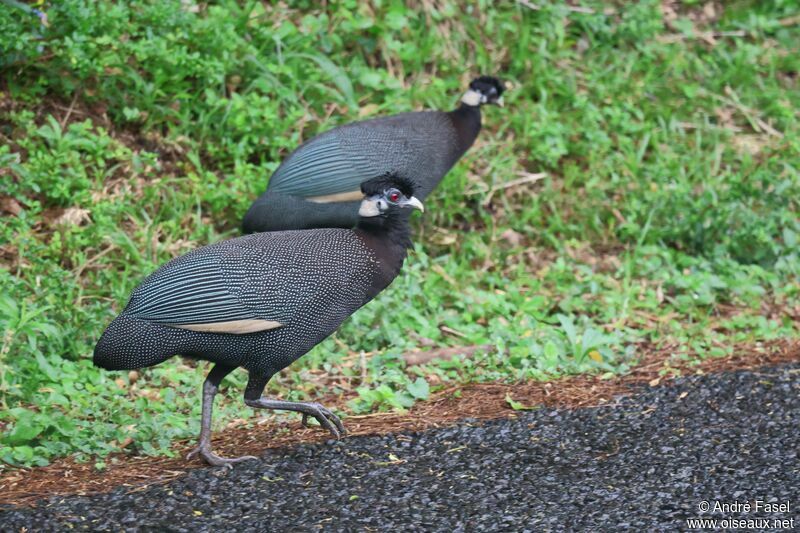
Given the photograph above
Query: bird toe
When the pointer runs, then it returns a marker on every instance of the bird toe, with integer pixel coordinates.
(215, 460)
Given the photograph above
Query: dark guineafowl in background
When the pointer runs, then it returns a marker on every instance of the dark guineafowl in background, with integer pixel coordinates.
(262, 301)
(318, 184)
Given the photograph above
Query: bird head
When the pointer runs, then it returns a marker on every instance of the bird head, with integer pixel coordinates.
(484, 90)
(386, 195)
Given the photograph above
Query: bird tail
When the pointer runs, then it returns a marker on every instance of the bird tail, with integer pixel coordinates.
(129, 343)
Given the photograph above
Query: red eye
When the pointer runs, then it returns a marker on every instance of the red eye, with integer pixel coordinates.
(393, 197)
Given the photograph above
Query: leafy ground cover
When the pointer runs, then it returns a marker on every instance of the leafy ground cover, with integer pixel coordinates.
(640, 188)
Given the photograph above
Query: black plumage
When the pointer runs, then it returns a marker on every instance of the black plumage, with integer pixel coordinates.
(261, 301)
(318, 184)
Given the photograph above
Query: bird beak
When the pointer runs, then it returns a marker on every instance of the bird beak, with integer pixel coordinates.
(415, 203)
(499, 102)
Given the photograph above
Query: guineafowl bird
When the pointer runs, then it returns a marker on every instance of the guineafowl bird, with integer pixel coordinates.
(261, 301)
(317, 185)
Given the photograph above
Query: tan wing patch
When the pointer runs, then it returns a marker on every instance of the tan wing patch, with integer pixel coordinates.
(338, 197)
(239, 327)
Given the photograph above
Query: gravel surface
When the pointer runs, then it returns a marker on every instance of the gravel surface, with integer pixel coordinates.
(647, 462)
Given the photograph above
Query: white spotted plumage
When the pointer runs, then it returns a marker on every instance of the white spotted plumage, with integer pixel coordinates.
(308, 281)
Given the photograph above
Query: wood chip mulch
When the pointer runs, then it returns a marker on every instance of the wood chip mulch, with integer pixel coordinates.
(483, 401)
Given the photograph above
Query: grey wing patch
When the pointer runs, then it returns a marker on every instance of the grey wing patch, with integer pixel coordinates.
(320, 168)
(332, 166)
(260, 282)
(419, 145)
(191, 292)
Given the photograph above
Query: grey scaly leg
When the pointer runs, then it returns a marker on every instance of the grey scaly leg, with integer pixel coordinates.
(203, 449)
(326, 419)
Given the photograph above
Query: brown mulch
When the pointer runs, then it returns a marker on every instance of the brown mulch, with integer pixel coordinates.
(480, 401)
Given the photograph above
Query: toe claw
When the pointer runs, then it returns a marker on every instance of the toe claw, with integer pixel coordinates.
(192, 454)
(340, 426)
(215, 460)
(333, 419)
(328, 420)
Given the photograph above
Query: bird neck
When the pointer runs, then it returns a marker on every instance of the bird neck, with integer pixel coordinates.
(467, 123)
(389, 235)
(391, 227)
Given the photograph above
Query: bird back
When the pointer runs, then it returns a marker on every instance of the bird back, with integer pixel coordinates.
(422, 144)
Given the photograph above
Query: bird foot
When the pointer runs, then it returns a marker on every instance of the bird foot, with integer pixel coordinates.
(204, 451)
(325, 417)
(320, 413)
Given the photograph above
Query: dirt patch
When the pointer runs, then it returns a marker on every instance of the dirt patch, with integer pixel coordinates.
(170, 153)
(480, 401)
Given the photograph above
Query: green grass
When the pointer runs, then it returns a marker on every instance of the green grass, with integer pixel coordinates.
(134, 132)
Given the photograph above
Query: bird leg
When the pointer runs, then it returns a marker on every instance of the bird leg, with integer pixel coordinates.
(203, 449)
(324, 416)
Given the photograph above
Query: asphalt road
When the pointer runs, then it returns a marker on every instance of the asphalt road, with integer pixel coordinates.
(647, 462)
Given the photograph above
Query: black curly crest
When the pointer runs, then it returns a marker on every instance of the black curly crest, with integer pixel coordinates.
(388, 181)
(485, 84)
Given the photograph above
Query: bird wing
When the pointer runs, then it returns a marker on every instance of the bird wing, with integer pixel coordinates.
(257, 282)
(332, 166)
(320, 167)
(191, 292)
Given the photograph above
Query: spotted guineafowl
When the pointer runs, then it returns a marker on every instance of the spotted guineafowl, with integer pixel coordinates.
(317, 186)
(261, 301)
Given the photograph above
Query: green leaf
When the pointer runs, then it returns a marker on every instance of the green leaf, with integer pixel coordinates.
(420, 389)
(551, 353)
(396, 21)
(335, 73)
(370, 79)
(25, 430)
(22, 454)
(517, 406)
(569, 328)
(789, 238)
(46, 368)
